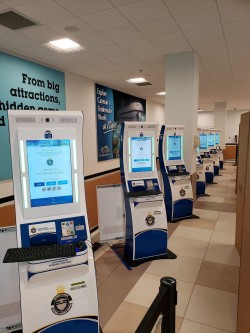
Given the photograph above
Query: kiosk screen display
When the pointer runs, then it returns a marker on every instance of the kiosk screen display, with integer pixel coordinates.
(210, 140)
(217, 138)
(50, 174)
(203, 141)
(140, 154)
(174, 147)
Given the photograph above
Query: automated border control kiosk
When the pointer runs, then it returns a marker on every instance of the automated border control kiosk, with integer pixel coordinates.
(213, 151)
(58, 286)
(146, 221)
(218, 148)
(178, 193)
(206, 158)
(200, 175)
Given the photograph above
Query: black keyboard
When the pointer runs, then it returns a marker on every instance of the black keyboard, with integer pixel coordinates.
(40, 252)
(143, 193)
(182, 173)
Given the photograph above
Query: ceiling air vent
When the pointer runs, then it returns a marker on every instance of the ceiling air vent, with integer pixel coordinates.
(143, 84)
(68, 120)
(25, 119)
(15, 21)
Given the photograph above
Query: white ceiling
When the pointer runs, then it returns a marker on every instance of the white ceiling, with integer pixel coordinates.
(125, 37)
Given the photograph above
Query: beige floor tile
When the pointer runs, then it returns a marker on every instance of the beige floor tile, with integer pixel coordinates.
(189, 326)
(223, 237)
(226, 222)
(191, 233)
(178, 323)
(219, 276)
(213, 307)
(187, 248)
(200, 223)
(223, 254)
(105, 266)
(144, 296)
(126, 318)
(212, 198)
(230, 200)
(182, 268)
(206, 214)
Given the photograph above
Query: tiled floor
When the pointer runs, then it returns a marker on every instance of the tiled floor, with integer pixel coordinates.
(206, 271)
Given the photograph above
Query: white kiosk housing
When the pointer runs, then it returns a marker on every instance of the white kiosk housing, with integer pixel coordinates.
(178, 193)
(146, 221)
(57, 294)
(218, 148)
(213, 151)
(205, 155)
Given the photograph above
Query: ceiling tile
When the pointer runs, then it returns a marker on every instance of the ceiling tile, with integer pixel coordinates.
(122, 2)
(105, 20)
(37, 51)
(12, 41)
(92, 40)
(171, 43)
(83, 7)
(203, 33)
(3, 30)
(158, 27)
(236, 27)
(198, 19)
(123, 34)
(146, 10)
(71, 27)
(108, 50)
(44, 11)
(13, 3)
(3, 8)
(227, 2)
(40, 34)
(183, 6)
(235, 12)
(140, 44)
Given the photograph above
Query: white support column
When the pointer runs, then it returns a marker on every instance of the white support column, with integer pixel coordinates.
(220, 120)
(181, 101)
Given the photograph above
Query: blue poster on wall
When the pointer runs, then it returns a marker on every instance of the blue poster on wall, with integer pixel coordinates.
(112, 108)
(25, 85)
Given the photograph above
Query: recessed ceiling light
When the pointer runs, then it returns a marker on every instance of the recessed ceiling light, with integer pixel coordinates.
(137, 80)
(64, 45)
(162, 93)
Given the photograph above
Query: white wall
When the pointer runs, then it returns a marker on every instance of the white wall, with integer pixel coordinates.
(205, 119)
(233, 121)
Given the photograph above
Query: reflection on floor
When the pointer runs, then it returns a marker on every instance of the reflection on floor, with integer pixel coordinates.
(206, 270)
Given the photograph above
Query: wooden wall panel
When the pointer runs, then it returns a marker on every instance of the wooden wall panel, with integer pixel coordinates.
(7, 215)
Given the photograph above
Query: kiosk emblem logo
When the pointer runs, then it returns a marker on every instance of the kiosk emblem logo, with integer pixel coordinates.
(48, 135)
(150, 220)
(50, 161)
(62, 302)
(182, 192)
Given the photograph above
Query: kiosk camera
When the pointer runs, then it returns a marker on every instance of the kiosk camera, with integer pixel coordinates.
(213, 151)
(205, 155)
(178, 193)
(146, 221)
(56, 265)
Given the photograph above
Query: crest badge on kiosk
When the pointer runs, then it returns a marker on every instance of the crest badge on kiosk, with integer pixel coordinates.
(48, 135)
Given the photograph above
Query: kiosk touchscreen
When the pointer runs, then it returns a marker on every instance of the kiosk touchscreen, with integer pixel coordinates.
(146, 221)
(178, 192)
(56, 265)
(205, 140)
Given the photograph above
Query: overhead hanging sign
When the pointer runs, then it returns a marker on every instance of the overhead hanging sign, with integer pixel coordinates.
(25, 85)
(112, 108)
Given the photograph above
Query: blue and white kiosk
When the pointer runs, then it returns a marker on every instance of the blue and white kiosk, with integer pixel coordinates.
(178, 193)
(146, 221)
(58, 294)
(213, 151)
(205, 155)
(218, 148)
(200, 175)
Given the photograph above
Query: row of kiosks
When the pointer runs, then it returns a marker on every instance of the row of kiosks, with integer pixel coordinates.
(146, 221)
(58, 294)
(204, 156)
(178, 193)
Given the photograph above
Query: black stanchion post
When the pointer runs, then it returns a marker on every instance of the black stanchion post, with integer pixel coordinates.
(168, 319)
